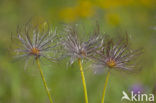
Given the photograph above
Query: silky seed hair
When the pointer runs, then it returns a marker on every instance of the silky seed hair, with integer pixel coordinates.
(36, 40)
(117, 54)
(76, 48)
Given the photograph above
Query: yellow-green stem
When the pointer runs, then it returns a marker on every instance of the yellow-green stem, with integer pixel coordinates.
(44, 81)
(83, 81)
(105, 86)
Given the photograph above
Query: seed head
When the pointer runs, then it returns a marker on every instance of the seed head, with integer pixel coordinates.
(117, 54)
(36, 41)
(76, 48)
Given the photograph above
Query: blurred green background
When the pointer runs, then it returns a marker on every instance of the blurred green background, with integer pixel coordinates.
(136, 17)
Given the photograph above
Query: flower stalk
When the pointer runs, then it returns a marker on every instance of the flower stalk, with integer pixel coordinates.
(105, 87)
(83, 81)
(44, 81)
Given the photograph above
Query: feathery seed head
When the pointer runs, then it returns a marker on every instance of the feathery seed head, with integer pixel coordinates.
(117, 55)
(36, 41)
(76, 48)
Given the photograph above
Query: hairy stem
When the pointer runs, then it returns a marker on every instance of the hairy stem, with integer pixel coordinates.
(83, 81)
(44, 81)
(105, 86)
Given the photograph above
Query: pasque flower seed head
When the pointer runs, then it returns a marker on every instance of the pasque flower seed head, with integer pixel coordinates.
(36, 41)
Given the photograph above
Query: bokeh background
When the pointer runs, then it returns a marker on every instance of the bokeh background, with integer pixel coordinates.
(136, 17)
